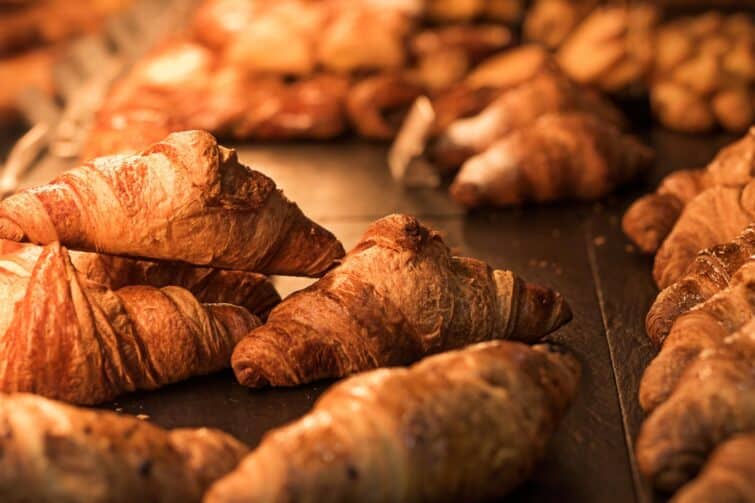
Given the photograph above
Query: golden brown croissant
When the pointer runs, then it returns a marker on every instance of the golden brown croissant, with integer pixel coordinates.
(66, 337)
(563, 156)
(465, 425)
(185, 198)
(378, 104)
(715, 216)
(396, 297)
(703, 327)
(651, 218)
(728, 476)
(548, 92)
(709, 273)
(714, 400)
(252, 291)
(56, 453)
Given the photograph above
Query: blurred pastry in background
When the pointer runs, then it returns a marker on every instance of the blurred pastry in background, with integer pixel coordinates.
(704, 73)
(550, 22)
(32, 35)
(612, 49)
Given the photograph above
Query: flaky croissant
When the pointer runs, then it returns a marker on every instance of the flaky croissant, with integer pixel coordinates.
(66, 337)
(652, 217)
(185, 198)
(715, 216)
(396, 297)
(465, 425)
(728, 476)
(548, 92)
(709, 273)
(252, 291)
(714, 400)
(56, 453)
(701, 328)
(566, 156)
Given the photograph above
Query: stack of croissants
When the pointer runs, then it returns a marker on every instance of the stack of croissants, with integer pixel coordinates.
(132, 272)
(699, 391)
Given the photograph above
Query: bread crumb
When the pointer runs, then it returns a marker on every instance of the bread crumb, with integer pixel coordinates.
(599, 240)
(143, 417)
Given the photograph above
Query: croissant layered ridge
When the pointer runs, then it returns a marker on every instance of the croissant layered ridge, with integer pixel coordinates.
(185, 198)
(252, 291)
(66, 337)
(396, 297)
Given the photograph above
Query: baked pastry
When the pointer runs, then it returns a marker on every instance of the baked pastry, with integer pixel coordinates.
(713, 401)
(715, 216)
(650, 219)
(185, 198)
(704, 73)
(66, 337)
(729, 474)
(612, 49)
(252, 291)
(56, 453)
(701, 328)
(561, 156)
(548, 92)
(397, 296)
(400, 435)
(709, 273)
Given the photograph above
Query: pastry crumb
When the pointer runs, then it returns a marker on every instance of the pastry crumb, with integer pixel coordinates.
(599, 240)
(143, 417)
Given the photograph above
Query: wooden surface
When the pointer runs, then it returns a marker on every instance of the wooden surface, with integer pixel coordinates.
(575, 248)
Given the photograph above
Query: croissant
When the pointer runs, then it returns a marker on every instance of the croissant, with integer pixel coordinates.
(558, 157)
(465, 425)
(651, 218)
(378, 104)
(185, 198)
(546, 93)
(66, 337)
(252, 291)
(56, 453)
(729, 475)
(714, 400)
(701, 328)
(716, 216)
(396, 297)
(709, 273)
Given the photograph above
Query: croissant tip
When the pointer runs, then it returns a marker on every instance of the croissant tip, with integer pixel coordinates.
(466, 193)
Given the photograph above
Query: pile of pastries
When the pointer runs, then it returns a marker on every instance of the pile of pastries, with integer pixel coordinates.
(32, 36)
(699, 70)
(131, 272)
(699, 391)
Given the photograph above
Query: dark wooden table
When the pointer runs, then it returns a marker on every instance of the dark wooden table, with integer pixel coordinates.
(576, 248)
